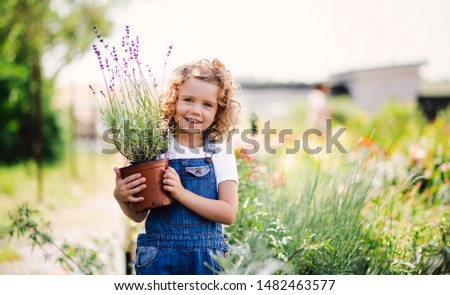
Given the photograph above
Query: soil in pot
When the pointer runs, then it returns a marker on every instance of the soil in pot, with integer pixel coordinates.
(154, 195)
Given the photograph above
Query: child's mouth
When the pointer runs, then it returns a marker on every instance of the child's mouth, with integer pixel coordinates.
(192, 121)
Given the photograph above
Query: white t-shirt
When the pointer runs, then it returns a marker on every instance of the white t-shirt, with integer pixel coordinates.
(224, 160)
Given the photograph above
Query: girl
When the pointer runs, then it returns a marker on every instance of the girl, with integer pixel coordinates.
(183, 238)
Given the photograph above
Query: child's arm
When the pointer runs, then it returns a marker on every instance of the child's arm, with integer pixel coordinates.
(124, 190)
(222, 210)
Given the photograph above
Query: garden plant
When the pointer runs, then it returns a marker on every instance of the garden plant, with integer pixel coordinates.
(381, 208)
(132, 113)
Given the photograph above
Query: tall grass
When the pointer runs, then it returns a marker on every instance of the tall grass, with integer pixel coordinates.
(380, 209)
(312, 226)
(342, 217)
(328, 202)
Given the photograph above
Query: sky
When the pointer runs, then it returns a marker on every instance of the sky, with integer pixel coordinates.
(282, 40)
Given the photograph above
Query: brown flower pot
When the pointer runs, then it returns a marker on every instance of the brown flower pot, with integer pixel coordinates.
(154, 195)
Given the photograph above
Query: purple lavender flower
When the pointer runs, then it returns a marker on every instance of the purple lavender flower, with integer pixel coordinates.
(127, 90)
(93, 91)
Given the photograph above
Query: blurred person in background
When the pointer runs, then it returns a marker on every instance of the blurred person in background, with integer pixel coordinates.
(318, 109)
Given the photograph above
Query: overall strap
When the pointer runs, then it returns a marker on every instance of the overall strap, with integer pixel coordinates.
(210, 148)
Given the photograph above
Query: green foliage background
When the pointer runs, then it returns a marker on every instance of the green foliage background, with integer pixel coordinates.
(382, 208)
(30, 30)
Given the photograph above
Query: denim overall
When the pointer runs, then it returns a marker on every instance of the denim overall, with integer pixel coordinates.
(178, 241)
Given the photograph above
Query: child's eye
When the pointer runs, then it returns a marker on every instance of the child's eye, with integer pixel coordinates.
(188, 99)
(208, 105)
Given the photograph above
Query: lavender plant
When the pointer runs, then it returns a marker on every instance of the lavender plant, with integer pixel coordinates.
(131, 108)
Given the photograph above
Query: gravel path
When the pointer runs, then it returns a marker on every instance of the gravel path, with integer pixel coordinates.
(95, 217)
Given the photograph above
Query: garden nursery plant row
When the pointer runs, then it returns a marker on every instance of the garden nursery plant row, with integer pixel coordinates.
(380, 207)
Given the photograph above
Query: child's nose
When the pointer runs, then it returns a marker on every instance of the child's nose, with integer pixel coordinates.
(195, 109)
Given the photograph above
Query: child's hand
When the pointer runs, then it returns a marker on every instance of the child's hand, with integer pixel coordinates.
(125, 188)
(172, 183)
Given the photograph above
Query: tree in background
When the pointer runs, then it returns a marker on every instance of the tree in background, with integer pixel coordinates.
(30, 30)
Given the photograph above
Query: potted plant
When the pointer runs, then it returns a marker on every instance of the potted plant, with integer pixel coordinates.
(132, 113)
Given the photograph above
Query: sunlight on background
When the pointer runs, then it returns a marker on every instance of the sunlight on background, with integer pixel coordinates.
(368, 210)
(284, 40)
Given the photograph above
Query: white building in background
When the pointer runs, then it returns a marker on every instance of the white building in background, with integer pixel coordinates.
(271, 100)
(371, 88)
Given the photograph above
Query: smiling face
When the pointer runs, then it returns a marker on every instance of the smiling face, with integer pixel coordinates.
(195, 108)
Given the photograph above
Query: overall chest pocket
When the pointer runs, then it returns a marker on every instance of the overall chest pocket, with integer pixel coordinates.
(196, 179)
(198, 171)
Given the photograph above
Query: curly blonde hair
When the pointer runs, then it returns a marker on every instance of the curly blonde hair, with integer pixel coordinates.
(212, 72)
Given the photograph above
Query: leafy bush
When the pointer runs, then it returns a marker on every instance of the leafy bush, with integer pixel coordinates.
(396, 124)
(24, 221)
